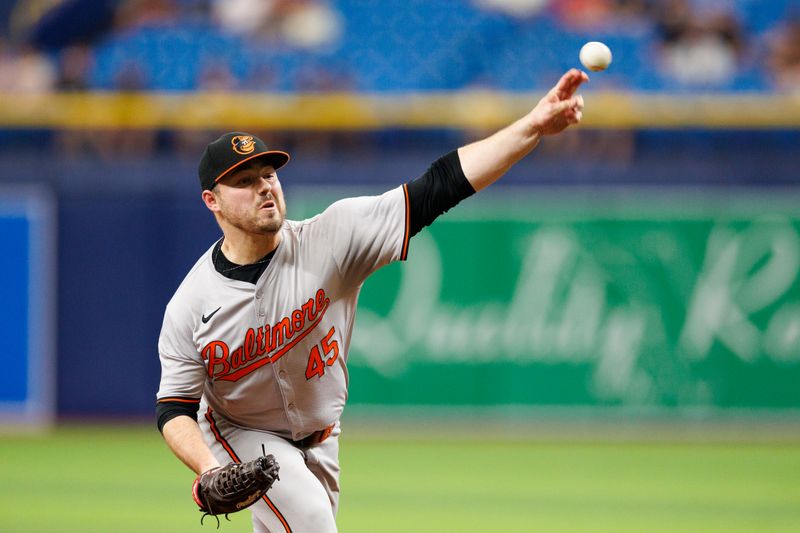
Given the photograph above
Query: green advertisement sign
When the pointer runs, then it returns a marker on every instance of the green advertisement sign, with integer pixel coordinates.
(581, 298)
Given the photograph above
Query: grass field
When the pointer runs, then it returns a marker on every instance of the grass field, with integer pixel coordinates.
(123, 479)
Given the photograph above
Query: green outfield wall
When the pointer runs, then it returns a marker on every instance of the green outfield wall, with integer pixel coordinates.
(672, 300)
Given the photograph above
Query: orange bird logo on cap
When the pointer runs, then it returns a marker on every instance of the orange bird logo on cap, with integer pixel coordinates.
(243, 144)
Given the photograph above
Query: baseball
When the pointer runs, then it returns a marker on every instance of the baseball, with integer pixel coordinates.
(595, 56)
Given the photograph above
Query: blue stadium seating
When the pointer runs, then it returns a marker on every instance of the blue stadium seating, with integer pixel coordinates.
(410, 45)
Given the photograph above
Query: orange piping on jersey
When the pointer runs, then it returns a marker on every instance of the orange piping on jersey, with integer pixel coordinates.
(224, 442)
(178, 399)
(404, 253)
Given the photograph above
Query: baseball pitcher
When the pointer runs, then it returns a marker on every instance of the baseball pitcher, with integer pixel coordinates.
(254, 341)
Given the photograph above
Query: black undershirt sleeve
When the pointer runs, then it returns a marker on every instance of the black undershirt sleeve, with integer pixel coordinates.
(166, 410)
(440, 188)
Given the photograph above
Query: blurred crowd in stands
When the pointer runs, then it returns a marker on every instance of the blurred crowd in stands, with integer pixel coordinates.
(391, 45)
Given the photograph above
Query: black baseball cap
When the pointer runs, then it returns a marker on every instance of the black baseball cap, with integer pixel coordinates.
(232, 150)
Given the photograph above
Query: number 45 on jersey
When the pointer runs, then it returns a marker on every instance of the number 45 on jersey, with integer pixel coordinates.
(322, 355)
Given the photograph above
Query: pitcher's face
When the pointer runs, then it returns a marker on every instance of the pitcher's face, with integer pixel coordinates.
(251, 199)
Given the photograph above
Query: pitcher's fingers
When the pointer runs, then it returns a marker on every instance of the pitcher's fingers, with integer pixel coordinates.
(565, 105)
(560, 108)
(569, 82)
(573, 112)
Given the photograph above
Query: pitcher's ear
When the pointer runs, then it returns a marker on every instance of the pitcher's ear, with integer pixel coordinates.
(210, 199)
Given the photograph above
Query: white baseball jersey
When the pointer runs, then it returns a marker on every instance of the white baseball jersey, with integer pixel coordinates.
(272, 356)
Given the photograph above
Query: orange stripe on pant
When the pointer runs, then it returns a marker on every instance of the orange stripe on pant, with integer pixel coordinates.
(225, 444)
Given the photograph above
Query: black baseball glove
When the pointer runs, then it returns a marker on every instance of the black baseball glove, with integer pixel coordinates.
(234, 487)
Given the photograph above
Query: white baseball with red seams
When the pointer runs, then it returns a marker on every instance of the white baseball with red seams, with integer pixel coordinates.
(595, 56)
